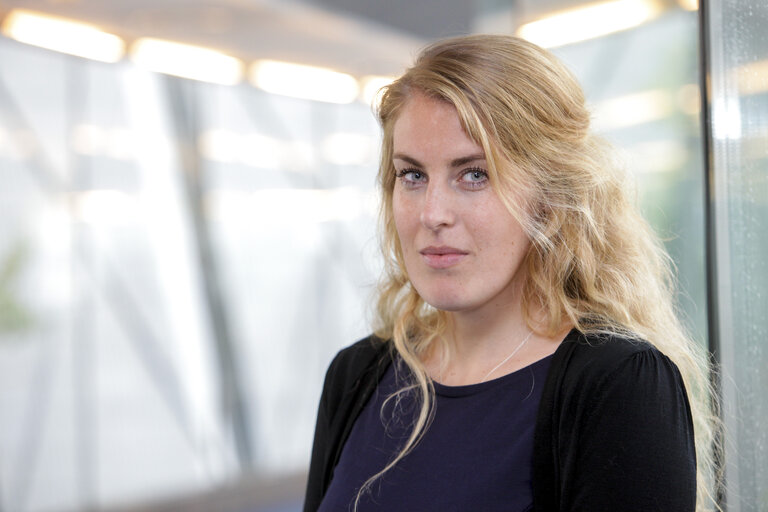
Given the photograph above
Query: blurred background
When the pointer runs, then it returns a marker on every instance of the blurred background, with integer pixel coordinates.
(187, 222)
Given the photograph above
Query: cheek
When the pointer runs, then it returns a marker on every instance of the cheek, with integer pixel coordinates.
(500, 234)
(402, 219)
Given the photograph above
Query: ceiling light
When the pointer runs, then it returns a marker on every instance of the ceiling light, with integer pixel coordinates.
(106, 207)
(17, 144)
(88, 139)
(219, 145)
(588, 22)
(122, 143)
(306, 82)
(689, 99)
(252, 149)
(257, 150)
(61, 35)
(657, 156)
(633, 109)
(753, 77)
(186, 61)
(726, 118)
(289, 206)
(349, 149)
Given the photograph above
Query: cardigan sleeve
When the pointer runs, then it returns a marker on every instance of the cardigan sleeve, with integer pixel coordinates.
(320, 445)
(349, 381)
(626, 439)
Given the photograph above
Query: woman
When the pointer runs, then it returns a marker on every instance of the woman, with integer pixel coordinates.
(527, 355)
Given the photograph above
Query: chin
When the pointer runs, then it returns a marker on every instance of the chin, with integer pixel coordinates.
(445, 301)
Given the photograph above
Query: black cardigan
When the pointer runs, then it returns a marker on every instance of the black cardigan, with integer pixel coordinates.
(613, 432)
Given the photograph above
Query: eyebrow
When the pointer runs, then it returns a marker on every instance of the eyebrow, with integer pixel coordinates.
(457, 162)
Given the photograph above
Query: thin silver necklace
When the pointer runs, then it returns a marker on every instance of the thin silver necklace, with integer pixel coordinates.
(530, 333)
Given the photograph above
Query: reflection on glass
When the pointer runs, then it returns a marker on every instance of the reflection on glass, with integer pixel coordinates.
(590, 21)
(109, 388)
(645, 102)
(739, 111)
(63, 35)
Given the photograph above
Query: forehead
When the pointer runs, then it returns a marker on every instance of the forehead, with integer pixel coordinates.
(428, 126)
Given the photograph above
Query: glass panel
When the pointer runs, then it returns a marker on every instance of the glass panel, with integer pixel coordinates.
(150, 319)
(739, 110)
(150, 225)
(642, 85)
(290, 204)
(107, 393)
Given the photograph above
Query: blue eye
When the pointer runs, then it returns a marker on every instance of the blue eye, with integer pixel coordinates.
(411, 177)
(474, 178)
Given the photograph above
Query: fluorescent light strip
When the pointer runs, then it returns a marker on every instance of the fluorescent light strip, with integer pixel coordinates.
(752, 78)
(349, 149)
(645, 107)
(589, 22)
(726, 118)
(306, 82)
(186, 61)
(689, 99)
(61, 35)
(289, 206)
(107, 207)
(657, 156)
(16, 144)
(633, 109)
(115, 142)
(255, 150)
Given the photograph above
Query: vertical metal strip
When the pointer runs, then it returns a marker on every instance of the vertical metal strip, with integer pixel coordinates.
(84, 335)
(709, 180)
(182, 100)
(710, 232)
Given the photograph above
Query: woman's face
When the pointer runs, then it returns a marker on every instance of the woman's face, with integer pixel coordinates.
(463, 249)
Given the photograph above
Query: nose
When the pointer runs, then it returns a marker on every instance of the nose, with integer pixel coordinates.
(437, 211)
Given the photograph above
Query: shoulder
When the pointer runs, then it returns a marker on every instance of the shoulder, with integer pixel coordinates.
(597, 357)
(608, 398)
(588, 366)
(354, 362)
(352, 373)
(359, 356)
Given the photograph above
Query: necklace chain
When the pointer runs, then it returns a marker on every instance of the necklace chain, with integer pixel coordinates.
(530, 333)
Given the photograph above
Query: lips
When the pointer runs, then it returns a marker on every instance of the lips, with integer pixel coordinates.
(442, 257)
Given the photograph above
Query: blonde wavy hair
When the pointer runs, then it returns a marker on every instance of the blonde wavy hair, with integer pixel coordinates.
(594, 262)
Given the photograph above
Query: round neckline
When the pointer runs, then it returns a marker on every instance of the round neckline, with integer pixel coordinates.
(479, 387)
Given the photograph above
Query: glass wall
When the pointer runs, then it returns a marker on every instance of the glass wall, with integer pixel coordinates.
(643, 86)
(179, 260)
(166, 316)
(105, 354)
(738, 102)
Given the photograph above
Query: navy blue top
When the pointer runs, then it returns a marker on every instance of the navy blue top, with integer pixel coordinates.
(476, 454)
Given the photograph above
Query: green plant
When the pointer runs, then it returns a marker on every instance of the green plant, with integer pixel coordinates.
(14, 316)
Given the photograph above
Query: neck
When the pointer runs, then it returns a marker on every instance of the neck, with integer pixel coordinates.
(481, 331)
(478, 341)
